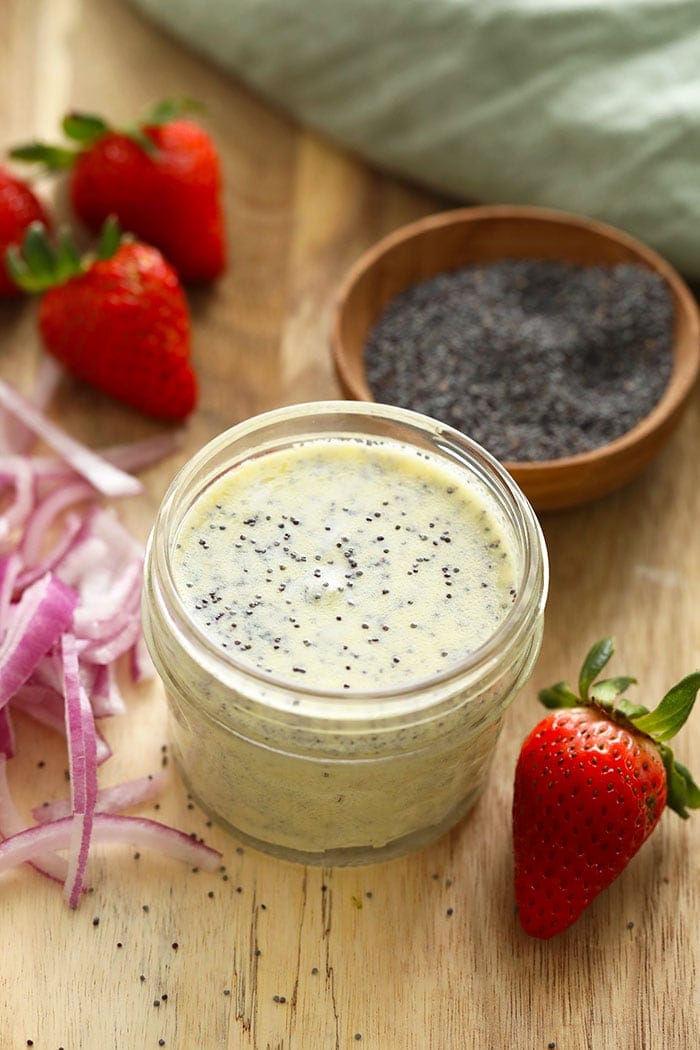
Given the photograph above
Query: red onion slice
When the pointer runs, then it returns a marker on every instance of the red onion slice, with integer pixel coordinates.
(108, 828)
(46, 513)
(135, 455)
(18, 472)
(106, 478)
(109, 800)
(82, 757)
(102, 688)
(70, 592)
(18, 437)
(47, 706)
(10, 565)
(11, 823)
(36, 623)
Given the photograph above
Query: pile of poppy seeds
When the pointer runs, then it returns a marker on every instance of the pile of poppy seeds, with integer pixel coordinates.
(534, 359)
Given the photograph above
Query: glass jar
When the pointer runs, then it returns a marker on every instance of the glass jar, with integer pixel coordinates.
(338, 778)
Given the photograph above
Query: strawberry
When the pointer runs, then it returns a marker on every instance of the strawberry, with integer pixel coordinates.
(118, 321)
(591, 783)
(160, 179)
(18, 207)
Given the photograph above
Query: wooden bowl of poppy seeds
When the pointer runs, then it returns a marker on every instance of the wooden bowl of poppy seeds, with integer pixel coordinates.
(564, 346)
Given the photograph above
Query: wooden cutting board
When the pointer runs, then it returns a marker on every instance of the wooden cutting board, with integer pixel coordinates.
(422, 953)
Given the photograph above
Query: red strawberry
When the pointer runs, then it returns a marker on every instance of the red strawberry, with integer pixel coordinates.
(161, 180)
(591, 783)
(119, 322)
(18, 207)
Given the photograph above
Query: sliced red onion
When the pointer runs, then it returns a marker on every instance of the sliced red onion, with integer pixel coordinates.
(107, 479)
(110, 649)
(133, 455)
(70, 592)
(36, 623)
(139, 454)
(82, 758)
(19, 474)
(18, 437)
(102, 688)
(72, 528)
(108, 828)
(113, 799)
(11, 823)
(46, 705)
(47, 512)
(109, 612)
(10, 565)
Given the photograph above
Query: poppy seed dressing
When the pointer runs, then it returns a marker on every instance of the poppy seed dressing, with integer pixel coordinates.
(345, 565)
(342, 601)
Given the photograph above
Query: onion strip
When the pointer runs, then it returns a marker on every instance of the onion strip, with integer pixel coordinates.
(107, 828)
(106, 478)
(43, 612)
(82, 757)
(11, 823)
(109, 800)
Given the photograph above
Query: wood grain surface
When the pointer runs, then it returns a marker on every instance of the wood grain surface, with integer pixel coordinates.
(423, 953)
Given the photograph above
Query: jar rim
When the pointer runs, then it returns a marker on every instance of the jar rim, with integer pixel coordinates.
(518, 623)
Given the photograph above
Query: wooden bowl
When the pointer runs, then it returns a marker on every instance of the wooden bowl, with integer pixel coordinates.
(469, 236)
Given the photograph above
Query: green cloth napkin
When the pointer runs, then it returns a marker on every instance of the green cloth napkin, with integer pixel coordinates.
(588, 105)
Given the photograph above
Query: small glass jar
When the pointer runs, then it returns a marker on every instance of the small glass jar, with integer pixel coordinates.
(340, 778)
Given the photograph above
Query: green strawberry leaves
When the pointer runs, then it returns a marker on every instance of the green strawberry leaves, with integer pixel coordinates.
(170, 109)
(85, 129)
(559, 695)
(41, 264)
(51, 158)
(596, 659)
(606, 694)
(660, 724)
(663, 723)
(110, 238)
(672, 713)
(682, 791)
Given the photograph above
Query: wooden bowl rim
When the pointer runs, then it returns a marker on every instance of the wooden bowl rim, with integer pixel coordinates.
(684, 370)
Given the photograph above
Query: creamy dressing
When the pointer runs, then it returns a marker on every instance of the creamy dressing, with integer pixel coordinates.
(345, 564)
